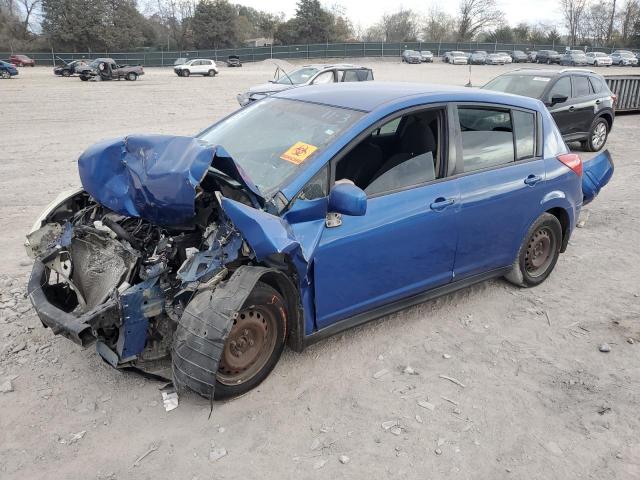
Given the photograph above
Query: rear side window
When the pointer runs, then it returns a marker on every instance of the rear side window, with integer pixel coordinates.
(581, 86)
(525, 133)
(487, 138)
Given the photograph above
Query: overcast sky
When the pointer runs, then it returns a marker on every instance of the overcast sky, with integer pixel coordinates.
(367, 12)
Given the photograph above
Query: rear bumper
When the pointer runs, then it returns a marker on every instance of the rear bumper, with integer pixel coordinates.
(78, 329)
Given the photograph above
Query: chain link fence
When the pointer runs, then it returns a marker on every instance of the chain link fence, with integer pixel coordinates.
(308, 51)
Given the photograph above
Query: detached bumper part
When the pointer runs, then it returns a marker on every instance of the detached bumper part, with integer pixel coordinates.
(77, 329)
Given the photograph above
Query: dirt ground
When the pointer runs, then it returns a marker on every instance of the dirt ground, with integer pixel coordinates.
(538, 399)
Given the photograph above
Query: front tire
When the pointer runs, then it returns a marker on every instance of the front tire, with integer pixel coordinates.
(254, 344)
(597, 135)
(186, 73)
(538, 253)
(6, 75)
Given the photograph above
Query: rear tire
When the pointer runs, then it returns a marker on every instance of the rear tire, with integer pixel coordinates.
(132, 77)
(211, 73)
(6, 75)
(66, 73)
(597, 135)
(538, 253)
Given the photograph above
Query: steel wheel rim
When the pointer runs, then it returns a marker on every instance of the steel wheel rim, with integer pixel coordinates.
(599, 135)
(539, 253)
(249, 345)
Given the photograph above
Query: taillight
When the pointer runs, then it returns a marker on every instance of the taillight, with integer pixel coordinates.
(573, 161)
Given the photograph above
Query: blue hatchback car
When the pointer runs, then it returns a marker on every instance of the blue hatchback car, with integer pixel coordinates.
(301, 215)
(7, 70)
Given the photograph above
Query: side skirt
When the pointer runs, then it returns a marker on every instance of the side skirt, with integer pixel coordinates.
(401, 304)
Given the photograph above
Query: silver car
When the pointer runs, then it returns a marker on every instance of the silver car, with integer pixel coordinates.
(599, 59)
(426, 56)
(306, 75)
(495, 59)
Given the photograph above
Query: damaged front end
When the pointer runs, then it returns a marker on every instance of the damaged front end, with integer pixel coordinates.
(118, 262)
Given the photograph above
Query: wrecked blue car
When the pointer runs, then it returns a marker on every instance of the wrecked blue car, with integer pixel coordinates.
(198, 259)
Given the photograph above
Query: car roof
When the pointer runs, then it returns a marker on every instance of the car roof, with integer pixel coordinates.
(546, 72)
(369, 96)
(325, 66)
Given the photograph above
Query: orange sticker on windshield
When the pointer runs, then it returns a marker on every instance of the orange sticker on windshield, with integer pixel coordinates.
(298, 153)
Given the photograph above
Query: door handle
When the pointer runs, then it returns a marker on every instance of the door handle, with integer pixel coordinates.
(532, 179)
(572, 108)
(441, 203)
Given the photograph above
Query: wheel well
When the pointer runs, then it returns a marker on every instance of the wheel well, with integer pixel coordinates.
(281, 282)
(563, 217)
(608, 118)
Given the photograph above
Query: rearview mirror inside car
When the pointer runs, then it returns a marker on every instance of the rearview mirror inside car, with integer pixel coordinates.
(558, 99)
(347, 199)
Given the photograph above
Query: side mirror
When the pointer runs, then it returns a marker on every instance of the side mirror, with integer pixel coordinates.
(558, 99)
(347, 199)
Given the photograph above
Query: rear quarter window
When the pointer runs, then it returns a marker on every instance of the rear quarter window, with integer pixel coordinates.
(581, 86)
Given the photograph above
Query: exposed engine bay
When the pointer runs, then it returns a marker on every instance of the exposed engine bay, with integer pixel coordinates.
(92, 255)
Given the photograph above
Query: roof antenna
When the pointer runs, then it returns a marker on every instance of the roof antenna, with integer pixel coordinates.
(469, 82)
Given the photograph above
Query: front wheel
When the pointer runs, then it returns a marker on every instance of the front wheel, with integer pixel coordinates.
(597, 135)
(186, 73)
(254, 344)
(538, 253)
(6, 75)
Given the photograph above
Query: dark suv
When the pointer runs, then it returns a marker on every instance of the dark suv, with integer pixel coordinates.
(579, 101)
(548, 56)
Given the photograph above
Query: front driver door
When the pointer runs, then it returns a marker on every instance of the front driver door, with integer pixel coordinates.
(403, 245)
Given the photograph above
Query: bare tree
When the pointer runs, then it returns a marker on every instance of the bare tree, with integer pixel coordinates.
(573, 12)
(438, 25)
(29, 8)
(477, 15)
(629, 16)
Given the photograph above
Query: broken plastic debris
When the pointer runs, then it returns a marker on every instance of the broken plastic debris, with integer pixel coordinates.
(170, 400)
(427, 405)
(380, 373)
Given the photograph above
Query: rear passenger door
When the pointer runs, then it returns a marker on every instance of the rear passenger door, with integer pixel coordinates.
(502, 182)
(583, 102)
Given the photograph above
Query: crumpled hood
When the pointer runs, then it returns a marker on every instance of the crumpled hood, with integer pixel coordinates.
(155, 176)
(270, 88)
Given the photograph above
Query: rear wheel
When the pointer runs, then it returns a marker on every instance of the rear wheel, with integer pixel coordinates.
(5, 74)
(132, 77)
(211, 73)
(597, 135)
(538, 253)
(66, 73)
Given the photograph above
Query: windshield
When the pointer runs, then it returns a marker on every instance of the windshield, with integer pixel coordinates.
(274, 137)
(297, 77)
(526, 85)
(626, 54)
(457, 53)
